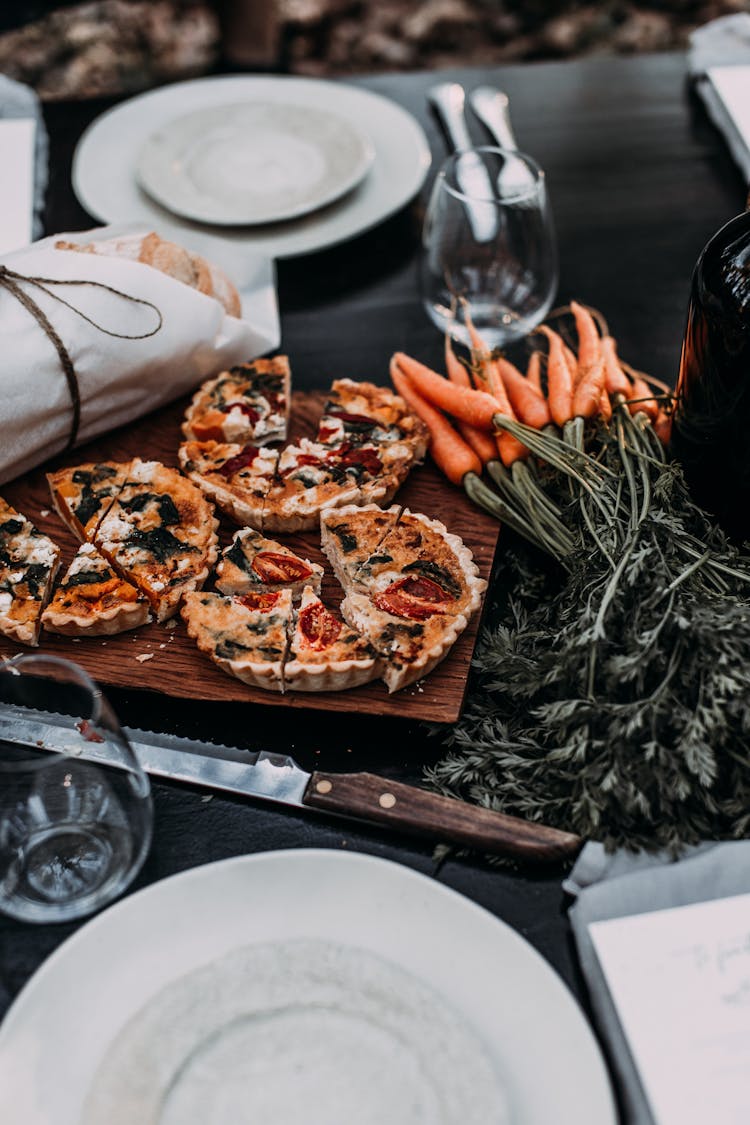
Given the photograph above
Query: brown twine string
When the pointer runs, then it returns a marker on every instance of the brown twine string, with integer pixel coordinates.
(9, 280)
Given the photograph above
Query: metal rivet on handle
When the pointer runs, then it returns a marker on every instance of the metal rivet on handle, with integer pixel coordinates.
(324, 786)
(386, 800)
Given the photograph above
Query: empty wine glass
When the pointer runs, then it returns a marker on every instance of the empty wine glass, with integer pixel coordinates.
(75, 805)
(489, 245)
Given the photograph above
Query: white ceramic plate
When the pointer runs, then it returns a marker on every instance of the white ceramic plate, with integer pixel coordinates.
(56, 1034)
(104, 165)
(252, 162)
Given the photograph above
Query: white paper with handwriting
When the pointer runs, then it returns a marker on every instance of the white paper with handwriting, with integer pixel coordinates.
(680, 980)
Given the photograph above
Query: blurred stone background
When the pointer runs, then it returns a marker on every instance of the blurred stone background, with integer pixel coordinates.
(115, 46)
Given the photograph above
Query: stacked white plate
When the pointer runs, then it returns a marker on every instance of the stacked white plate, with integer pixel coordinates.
(283, 166)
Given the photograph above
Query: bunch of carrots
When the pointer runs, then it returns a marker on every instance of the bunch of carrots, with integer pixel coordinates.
(521, 427)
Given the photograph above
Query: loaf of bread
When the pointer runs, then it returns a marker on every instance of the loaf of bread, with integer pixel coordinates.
(171, 259)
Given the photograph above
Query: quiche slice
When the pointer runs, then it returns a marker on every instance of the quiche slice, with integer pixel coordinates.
(363, 412)
(247, 637)
(160, 534)
(373, 420)
(413, 637)
(350, 535)
(325, 653)
(252, 563)
(81, 495)
(411, 596)
(247, 404)
(308, 481)
(29, 562)
(420, 560)
(236, 477)
(93, 601)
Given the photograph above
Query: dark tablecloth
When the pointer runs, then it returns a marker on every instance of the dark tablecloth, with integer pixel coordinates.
(638, 180)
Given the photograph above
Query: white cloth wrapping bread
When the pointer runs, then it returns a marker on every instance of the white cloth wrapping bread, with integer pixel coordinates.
(119, 379)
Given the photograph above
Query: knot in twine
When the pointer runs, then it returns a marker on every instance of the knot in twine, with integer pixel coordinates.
(12, 282)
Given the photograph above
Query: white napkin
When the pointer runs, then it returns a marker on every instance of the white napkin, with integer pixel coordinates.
(618, 885)
(17, 103)
(119, 379)
(17, 186)
(719, 62)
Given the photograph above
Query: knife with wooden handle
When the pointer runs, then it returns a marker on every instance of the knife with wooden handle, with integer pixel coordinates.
(277, 777)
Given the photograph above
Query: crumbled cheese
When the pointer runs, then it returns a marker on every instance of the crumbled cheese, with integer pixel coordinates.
(116, 528)
(157, 586)
(44, 512)
(44, 554)
(83, 559)
(235, 425)
(6, 600)
(142, 471)
(144, 656)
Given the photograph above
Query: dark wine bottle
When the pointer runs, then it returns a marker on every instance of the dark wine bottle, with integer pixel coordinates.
(711, 429)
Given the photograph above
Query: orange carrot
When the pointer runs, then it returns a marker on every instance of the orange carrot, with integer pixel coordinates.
(589, 341)
(475, 407)
(663, 427)
(477, 343)
(529, 404)
(481, 442)
(615, 379)
(508, 446)
(640, 390)
(589, 391)
(590, 384)
(496, 387)
(605, 407)
(491, 376)
(559, 381)
(572, 362)
(457, 372)
(449, 451)
(534, 371)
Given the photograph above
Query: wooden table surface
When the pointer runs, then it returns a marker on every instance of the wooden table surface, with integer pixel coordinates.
(638, 180)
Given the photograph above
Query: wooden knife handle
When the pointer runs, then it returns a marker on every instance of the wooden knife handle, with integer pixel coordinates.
(429, 814)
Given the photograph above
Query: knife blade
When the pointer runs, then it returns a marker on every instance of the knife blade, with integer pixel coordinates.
(278, 778)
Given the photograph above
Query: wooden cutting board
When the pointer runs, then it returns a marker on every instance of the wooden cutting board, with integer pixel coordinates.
(175, 666)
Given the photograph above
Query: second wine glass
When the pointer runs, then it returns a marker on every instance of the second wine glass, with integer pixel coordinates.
(489, 244)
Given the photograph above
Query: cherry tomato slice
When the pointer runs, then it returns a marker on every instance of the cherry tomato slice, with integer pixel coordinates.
(241, 461)
(318, 626)
(259, 601)
(270, 566)
(367, 458)
(250, 413)
(353, 419)
(416, 598)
